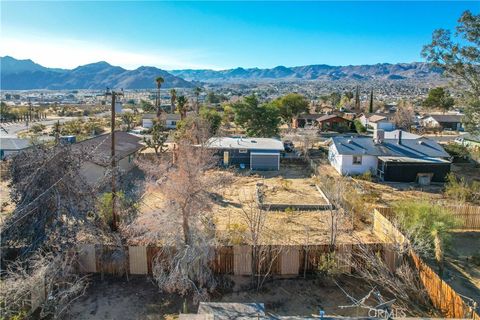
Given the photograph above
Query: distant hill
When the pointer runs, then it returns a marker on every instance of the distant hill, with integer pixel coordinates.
(384, 71)
(25, 74)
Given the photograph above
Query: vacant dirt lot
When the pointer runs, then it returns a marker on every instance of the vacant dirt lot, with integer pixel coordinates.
(297, 227)
(140, 299)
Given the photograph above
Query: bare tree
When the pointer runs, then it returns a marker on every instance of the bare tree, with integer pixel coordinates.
(404, 116)
(186, 187)
(336, 190)
(263, 256)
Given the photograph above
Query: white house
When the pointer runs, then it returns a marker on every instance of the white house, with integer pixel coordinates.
(376, 122)
(443, 121)
(393, 159)
(147, 120)
(171, 120)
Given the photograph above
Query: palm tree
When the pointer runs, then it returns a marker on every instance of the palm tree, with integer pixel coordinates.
(197, 94)
(159, 81)
(173, 98)
(182, 106)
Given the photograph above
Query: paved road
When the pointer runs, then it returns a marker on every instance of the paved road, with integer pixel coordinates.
(11, 129)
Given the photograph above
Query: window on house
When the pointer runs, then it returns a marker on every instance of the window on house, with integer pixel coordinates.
(242, 150)
(357, 160)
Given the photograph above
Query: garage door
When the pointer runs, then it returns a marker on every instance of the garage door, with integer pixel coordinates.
(264, 161)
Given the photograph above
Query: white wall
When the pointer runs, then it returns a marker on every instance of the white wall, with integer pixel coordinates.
(147, 123)
(344, 163)
(171, 124)
(369, 163)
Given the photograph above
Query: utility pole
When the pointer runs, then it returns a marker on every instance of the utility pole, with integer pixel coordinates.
(113, 163)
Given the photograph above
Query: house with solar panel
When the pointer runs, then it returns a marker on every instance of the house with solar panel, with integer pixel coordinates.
(398, 157)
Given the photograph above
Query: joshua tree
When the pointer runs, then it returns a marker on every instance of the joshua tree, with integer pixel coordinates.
(173, 99)
(182, 106)
(159, 81)
(197, 94)
(357, 99)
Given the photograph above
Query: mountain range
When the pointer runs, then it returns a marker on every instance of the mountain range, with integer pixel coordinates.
(384, 71)
(26, 74)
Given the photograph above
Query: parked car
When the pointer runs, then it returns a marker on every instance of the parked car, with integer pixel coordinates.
(288, 145)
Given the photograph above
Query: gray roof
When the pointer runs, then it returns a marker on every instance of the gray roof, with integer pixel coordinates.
(14, 143)
(447, 117)
(405, 135)
(172, 116)
(100, 146)
(245, 143)
(412, 148)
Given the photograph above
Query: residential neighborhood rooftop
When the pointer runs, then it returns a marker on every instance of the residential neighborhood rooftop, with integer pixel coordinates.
(245, 143)
(100, 146)
(416, 148)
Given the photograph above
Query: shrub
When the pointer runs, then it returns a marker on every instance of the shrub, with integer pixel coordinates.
(236, 233)
(460, 190)
(367, 176)
(457, 151)
(286, 184)
(359, 127)
(425, 223)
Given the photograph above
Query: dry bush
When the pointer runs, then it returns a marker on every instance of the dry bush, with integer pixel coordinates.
(52, 200)
(25, 281)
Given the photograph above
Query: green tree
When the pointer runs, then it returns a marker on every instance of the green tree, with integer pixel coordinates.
(258, 120)
(290, 106)
(37, 128)
(357, 99)
(359, 127)
(158, 102)
(349, 95)
(459, 57)
(439, 98)
(213, 117)
(427, 226)
(197, 92)
(370, 106)
(335, 98)
(104, 206)
(128, 118)
(158, 139)
(147, 106)
(182, 106)
(173, 99)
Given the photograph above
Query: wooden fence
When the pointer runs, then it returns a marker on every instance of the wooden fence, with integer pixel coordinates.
(468, 217)
(231, 260)
(441, 294)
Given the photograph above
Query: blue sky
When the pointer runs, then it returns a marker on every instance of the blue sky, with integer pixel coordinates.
(220, 35)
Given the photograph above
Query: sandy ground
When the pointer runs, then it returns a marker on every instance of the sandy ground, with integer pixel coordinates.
(463, 274)
(297, 227)
(140, 299)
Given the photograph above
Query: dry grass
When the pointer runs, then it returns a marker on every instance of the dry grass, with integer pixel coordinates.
(291, 227)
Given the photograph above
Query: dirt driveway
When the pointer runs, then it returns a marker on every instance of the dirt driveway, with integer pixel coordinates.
(140, 299)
